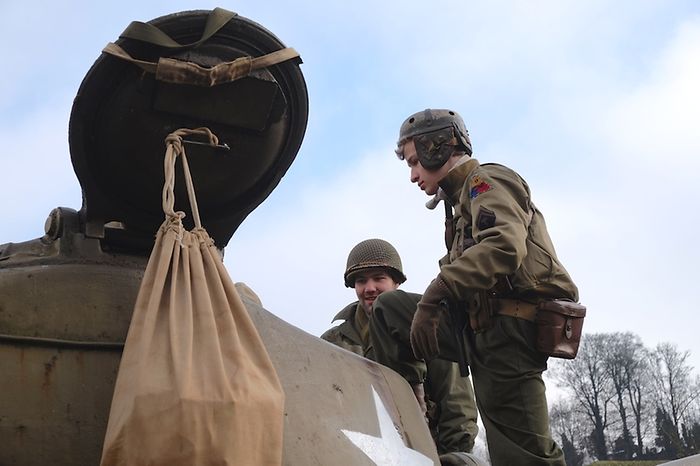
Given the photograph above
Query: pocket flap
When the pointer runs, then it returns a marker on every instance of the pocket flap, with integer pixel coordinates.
(560, 306)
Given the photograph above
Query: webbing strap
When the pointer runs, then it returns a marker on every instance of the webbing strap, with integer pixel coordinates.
(149, 33)
(114, 49)
(183, 72)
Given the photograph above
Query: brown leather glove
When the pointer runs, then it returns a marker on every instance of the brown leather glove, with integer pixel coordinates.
(424, 327)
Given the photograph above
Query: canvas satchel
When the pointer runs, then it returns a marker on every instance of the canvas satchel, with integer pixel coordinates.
(195, 384)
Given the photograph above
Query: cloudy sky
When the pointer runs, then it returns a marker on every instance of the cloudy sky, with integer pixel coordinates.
(596, 104)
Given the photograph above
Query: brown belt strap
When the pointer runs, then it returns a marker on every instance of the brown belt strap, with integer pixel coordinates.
(515, 308)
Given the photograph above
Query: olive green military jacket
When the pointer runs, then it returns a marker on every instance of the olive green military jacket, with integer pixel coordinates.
(346, 335)
(499, 233)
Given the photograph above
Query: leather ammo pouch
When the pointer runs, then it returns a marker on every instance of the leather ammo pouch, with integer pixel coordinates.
(559, 325)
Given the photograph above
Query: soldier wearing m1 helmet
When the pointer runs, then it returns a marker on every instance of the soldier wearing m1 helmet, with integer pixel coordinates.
(375, 271)
(500, 264)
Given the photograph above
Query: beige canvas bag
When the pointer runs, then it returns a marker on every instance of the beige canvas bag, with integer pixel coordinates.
(195, 385)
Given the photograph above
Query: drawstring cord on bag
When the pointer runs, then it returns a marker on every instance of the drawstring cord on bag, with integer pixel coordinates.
(175, 148)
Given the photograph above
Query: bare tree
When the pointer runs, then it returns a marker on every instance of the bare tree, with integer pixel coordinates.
(570, 426)
(587, 379)
(676, 389)
(617, 356)
(638, 380)
(621, 358)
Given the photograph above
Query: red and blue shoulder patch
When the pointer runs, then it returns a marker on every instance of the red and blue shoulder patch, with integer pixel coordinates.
(478, 186)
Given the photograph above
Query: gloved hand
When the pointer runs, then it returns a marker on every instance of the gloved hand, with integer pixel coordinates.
(424, 327)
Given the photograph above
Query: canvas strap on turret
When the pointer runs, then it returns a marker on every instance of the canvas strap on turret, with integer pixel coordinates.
(149, 33)
(182, 72)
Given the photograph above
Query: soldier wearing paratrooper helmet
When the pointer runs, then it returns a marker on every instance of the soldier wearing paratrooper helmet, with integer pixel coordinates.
(375, 271)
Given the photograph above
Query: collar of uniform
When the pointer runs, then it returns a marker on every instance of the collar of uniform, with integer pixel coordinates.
(453, 182)
(354, 316)
(347, 312)
(348, 328)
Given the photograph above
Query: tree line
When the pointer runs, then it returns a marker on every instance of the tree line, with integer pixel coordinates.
(626, 401)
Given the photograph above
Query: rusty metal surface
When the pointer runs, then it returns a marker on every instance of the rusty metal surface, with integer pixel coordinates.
(71, 301)
(54, 404)
(63, 318)
(65, 308)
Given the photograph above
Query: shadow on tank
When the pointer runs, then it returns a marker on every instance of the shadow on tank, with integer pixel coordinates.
(66, 298)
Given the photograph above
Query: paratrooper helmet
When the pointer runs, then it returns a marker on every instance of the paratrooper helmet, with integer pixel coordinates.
(373, 253)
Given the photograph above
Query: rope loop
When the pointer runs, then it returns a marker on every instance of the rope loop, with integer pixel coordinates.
(174, 148)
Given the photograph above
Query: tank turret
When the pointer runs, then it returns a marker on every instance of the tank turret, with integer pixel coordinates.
(66, 297)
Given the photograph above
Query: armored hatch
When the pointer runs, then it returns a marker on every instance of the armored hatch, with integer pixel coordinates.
(122, 114)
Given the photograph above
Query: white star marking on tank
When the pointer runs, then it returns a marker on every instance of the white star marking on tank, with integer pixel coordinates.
(388, 449)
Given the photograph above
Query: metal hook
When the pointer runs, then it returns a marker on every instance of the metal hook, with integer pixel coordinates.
(223, 146)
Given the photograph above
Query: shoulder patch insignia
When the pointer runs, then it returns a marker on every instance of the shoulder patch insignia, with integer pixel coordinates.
(485, 219)
(478, 186)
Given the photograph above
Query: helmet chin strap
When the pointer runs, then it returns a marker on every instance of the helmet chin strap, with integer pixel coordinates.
(435, 200)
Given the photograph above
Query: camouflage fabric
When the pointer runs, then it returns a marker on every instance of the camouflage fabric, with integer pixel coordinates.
(452, 410)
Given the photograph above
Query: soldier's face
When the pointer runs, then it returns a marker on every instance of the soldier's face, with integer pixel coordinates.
(371, 283)
(427, 180)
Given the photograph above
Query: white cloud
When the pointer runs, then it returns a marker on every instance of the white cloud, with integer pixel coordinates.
(37, 173)
(295, 262)
(602, 125)
(656, 123)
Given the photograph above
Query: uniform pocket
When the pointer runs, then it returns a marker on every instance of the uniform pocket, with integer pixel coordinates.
(537, 267)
